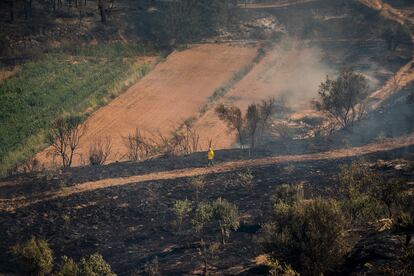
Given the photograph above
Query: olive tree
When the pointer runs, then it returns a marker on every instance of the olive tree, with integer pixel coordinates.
(342, 99)
(226, 216)
(219, 214)
(95, 265)
(67, 267)
(35, 256)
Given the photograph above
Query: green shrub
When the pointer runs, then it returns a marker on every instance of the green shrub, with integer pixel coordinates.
(342, 99)
(355, 183)
(197, 183)
(226, 216)
(287, 194)
(367, 196)
(390, 193)
(67, 267)
(220, 214)
(95, 265)
(310, 232)
(202, 216)
(182, 209)
(363, 208)
(245, 178)
(35, 256)
(277, 268)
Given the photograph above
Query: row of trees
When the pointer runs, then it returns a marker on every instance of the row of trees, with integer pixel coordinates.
(180, 19)
(66, 132)
(104, 6)
(140, 145)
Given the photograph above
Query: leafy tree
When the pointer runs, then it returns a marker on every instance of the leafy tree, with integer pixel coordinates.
(201, 219)
(35, 256)
(64, 137)
(343, 98)
(202, 216)
(226, 215)
(220, 213)
(95, 265)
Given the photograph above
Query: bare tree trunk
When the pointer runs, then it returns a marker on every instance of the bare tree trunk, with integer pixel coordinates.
(102, 10)
(30, 8)
(11, 5)
(26, 10)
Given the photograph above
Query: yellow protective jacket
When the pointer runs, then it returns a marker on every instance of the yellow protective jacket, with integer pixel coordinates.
(210, 154)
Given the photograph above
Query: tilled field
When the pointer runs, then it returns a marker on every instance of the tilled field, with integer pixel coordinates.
(173, 92)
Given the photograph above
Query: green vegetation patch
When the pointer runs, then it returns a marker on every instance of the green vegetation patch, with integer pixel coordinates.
(72, 80)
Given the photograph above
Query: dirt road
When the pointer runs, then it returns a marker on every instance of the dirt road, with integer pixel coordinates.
(10, 204)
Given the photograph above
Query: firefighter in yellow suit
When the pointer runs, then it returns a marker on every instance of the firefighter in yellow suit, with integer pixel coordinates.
(210, 157)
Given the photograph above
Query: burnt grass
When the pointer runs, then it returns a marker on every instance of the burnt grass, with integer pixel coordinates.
(132, 224)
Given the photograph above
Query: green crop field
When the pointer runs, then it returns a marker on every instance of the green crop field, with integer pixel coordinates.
(71, 80)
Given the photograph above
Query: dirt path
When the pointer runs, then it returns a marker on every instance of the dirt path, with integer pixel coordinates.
(174, 91)
(7, 204)
(405, 75)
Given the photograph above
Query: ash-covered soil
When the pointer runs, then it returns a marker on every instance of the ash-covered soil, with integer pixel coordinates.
(132, 224)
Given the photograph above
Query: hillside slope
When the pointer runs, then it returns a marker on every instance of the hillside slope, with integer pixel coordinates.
(173, 92)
